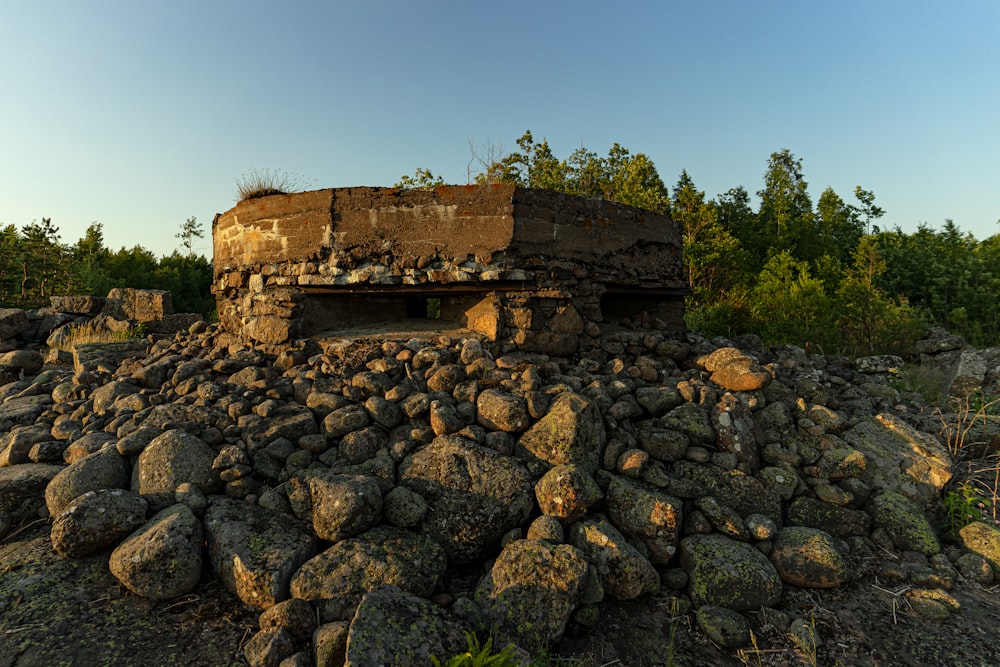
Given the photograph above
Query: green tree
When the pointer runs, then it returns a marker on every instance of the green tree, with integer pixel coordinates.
(421, 179)
(870, 320)
(89, 257)
(190, 230)
(786, 220)
(790, 306)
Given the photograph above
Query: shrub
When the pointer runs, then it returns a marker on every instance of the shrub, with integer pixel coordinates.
(263, 182)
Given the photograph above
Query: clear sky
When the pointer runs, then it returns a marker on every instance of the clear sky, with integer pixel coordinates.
(140, 114)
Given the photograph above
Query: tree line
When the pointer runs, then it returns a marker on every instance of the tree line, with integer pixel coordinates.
(823, 275)
(36, 264)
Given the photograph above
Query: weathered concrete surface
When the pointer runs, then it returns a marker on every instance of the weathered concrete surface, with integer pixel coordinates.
(528, 267)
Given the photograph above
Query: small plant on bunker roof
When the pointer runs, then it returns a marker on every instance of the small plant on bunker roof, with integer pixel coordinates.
(256, 183)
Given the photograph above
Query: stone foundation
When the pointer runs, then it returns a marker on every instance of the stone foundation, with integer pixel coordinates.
(539, 270)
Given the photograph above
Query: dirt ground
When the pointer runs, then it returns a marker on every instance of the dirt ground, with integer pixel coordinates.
(56, 612)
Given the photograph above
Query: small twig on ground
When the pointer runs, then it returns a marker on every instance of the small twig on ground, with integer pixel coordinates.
(896, 595)
(24, 528)
(24, 628)
(181, 603)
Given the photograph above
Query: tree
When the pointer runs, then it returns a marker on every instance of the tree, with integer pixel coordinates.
(89, 259)
(790, 306)
(43, 269)
(190, 230)
(421, 179)
(785, 220)
(870, 320)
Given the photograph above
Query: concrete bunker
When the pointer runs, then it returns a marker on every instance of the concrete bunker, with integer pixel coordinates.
(532, 269)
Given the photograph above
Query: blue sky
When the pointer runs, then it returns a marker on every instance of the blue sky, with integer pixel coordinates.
(139, 115)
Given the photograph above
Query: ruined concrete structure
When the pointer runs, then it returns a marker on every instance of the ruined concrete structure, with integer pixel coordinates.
(535, 269)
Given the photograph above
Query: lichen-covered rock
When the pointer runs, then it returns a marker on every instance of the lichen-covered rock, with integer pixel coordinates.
(330, 644)
(341, 506)
(294, 615)
(23, 488)
(838, 521)
(735, 431)
(255, 551)
(904, 522)
(809, 558)
(95, 521)
(531, 591)
(170, 459)
(723, 626)
(691, 420)
(15, 445)
(269, 647)
(572, 431)
(336, 579)
(624, 572)
(106, 469)
(162, 559)
(740, 373)
(900, 458)
(404, 508)
(392, 627)
(474, 495)
(651, 516)
(502, 411)
(566, 492)
(983, 539)
(727, 573)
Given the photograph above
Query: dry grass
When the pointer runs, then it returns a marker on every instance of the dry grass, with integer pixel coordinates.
(257, 183)
(91, 333)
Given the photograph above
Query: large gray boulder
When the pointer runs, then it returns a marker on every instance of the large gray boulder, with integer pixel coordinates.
(97, 520)
(726, 573)
(169, 460)
(105, 469)
(162, 559)
(255, 551)
(474, 495)
(651, 516)
(339, 506)
(624, 572)
(572, 431)
(22, 489)
(901, 458)
(336, 579)
(392, 627)
(531, 591)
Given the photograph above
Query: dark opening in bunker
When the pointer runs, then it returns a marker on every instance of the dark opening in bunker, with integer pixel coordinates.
(401, 308)
(619, 302)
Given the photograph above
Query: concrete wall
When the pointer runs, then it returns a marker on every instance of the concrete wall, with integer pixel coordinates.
(522, 266)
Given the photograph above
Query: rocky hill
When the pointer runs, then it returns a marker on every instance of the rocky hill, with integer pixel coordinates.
(187, 499)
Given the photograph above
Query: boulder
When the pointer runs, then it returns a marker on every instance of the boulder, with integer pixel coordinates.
(106, 469)
(809, 558)
(651, 516)
(13, 321)
(901, 458)
(531, 591)
(336, 579)
(96, 521)
(572, 431)
(169, 460)
(162, 559)
(623, 571)
(498, 410)
(22, 489)
(340, 506)
(255, 551)
(726, 573)
(474, 495)
(392, 627)
(566, 492)
(905, 523)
